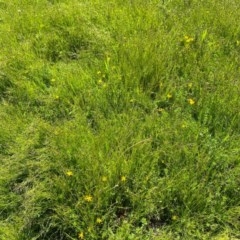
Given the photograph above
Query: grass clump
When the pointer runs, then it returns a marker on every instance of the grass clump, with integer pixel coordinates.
(119, 120)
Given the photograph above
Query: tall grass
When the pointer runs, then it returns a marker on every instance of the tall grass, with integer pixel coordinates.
(119, 119)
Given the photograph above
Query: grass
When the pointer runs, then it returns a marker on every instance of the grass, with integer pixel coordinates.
(119, 120)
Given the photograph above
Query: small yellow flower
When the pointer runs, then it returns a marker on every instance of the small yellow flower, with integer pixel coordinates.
(169, 95)
(191, 101)
(104, 179)
(99, 220)
(123, 179)
(88, 198)
(190, 85)
(188, 39)
(100, 81)
(69, 173)
(81, 235)
(174, 217)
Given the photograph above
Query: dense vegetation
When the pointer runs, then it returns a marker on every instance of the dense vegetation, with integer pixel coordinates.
(119, 119)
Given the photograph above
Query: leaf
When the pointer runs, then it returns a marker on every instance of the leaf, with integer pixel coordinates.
(204, 35)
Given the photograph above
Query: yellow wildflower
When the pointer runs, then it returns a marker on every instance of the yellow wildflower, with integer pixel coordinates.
(174, 217)
(123, 179)
(191, 101)
(81, 235)
(188, 39)
(69, 173)
(104, 178)
(88, 198)
(169, 95)
(99, 220)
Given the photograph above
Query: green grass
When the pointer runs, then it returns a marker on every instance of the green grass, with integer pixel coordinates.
(119, 120)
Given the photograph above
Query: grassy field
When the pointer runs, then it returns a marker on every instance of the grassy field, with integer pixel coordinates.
(119, 119)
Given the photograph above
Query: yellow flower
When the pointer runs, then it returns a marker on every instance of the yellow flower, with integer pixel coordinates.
(69, 173)
(88, 198)
(191, 101)
(188, 39)
(104, 178)
(190, 85)
(102, 83)
(81, 235)
(123, 179)
(99, 220)
(174, 217)
(169, 95)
